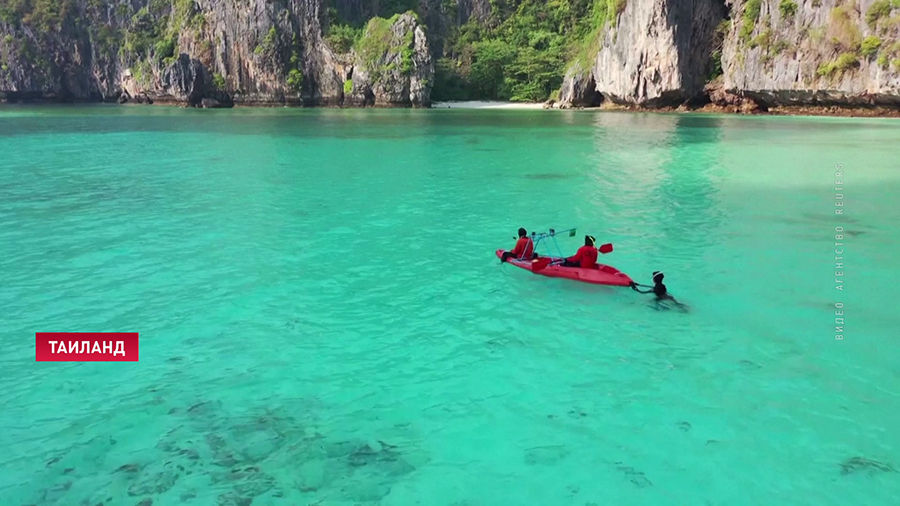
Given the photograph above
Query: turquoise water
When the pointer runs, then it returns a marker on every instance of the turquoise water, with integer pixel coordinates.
(323, 320)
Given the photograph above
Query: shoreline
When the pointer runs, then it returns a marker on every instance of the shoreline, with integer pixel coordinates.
(854, 111)
(840, 111)
(488, 104)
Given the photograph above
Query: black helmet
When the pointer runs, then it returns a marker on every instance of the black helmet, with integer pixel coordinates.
(522, 232)
(658, 276)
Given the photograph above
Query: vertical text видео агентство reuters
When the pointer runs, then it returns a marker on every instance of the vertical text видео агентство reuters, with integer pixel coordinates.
(839, 250)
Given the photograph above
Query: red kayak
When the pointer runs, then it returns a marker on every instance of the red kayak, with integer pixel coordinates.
(602, 275)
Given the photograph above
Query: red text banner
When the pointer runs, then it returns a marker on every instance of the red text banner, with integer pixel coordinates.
(86, 346)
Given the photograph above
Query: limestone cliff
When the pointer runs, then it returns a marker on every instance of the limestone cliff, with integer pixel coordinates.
(653, 53)
(254, 52)
(579, 88)
(645, 53)
(392, 65)
(809, 52)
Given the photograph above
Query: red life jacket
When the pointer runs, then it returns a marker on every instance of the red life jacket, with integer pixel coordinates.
(524, 248)
(586, 256)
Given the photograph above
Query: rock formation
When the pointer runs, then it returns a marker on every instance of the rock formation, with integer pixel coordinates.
(774, 53)
(256, 52)
(743, 55)
(805, 52)
(579, 89)
(653, 53)
(391, 65)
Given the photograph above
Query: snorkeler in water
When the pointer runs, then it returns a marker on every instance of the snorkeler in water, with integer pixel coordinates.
(659, 290)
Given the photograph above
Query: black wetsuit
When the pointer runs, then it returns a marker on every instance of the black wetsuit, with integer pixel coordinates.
(659, 290)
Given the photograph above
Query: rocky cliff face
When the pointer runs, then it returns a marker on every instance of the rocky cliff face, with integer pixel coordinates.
(802, 52)
(647, 53)
(774, 53)
(392, 65)
(255, 52)
(479, 10)
(579, 88)
(653, 53)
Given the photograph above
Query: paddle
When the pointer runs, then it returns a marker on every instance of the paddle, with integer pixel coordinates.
(542, 263)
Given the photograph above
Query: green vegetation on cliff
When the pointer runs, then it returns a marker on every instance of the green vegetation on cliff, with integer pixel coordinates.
(836, 68)
(787, 8)
(844, 35)
(104, 39)
(881, 18)
(522, 51)
(879, 10)
(764, 39)
(715, 64)
(342, 35)
(44, 16)
(165, 50)
(374, 44)
(295, 80)
(218, 81)
(377, 44)
(148, 33)
(887, 53)
(267, 45)
(142, 73)
(870, 45)
(751, 15)
(361, 12)
(603, 14)
(186, 15)
(341, 38)
(843, 29)
(152, 31)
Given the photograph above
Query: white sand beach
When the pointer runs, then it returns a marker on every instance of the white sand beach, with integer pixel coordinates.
(475, 104)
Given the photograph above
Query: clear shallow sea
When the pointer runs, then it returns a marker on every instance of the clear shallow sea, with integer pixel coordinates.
(323, 320)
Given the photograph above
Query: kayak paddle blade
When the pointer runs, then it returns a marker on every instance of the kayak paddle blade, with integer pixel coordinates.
(540, 264)
(606, 248)
(572, 233)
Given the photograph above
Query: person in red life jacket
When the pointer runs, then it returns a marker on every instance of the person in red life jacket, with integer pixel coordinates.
(585, 257)
(524, 247)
